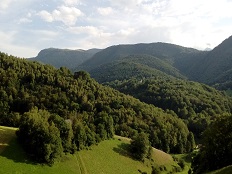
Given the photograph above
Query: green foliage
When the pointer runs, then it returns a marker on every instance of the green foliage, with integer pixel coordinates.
(92, 112)
(137, 66)
(216, 151)
(66, 132)
(40, 138)
(196, 103)
(140, 146)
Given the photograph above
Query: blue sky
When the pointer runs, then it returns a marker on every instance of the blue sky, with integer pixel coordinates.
(27, 26)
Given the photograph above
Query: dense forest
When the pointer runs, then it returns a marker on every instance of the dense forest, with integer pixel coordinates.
(210, 67)
(216, 150)
(197, 104)
(136, 66)
(43, 101)
(164, 51)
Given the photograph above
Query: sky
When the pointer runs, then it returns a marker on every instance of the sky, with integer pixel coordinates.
(28, 26)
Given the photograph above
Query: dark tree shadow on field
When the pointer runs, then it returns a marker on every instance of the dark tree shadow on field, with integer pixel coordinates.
(15, 152)
(123, 149)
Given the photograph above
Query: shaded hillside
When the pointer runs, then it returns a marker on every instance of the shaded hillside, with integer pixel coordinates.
(216, 151)
(96, 111)
(188, 65)
(164, 51)
(196, 103)
(216, 66)
(137, 66)
(64, 57)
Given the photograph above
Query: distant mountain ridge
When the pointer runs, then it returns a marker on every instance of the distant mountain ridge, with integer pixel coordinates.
(64, 57)
(164, 51)
(211, 67)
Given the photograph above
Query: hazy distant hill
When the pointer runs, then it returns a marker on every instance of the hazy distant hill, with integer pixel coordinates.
(64, 57)
(218, 62)
(213, 67)
(164, 51)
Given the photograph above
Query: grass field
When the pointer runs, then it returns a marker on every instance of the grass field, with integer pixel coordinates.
(109, 157)
(13, 160)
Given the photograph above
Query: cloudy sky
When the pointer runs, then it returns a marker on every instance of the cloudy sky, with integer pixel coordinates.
(27, 26)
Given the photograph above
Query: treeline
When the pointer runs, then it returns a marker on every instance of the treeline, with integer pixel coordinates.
(91, 109)
(216, 149)
(46, 137)
(197, 104)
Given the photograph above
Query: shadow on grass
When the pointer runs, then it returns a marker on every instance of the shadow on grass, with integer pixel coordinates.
(123, 149)
(16, 153)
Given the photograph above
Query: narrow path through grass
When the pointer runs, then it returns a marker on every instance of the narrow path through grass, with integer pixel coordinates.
(78, 163)
(81, 164)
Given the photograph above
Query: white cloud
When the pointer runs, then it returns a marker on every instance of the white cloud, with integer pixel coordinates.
(67, 15)
(126, 32)
(105, 11)
(71, 2)
(126, 4)
(24, 20)
(46, 16)
(5, 4)
(45, 33)
(7, 45)
(90, 31)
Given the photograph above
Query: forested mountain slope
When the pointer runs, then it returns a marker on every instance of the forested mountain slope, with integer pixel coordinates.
(197, 104)
(95, 111)
(64, 57)
(137, 66)
(216, 65)
(164, 51)
(209, 67)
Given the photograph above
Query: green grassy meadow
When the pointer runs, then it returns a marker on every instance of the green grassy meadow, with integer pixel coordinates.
(13, 160)
(110, 156)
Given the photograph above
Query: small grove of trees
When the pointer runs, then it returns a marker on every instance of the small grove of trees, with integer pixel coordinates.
(40, 136)
(216, 151)
(47, 136)
(140, 147)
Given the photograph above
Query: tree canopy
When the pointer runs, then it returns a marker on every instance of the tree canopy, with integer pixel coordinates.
(197, 104)
(95, 112)
(216, 151)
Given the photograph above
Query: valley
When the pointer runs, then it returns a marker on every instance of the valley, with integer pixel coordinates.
(72, 107)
